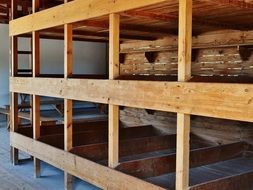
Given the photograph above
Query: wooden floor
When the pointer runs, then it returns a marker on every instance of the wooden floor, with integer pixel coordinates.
(21, 177)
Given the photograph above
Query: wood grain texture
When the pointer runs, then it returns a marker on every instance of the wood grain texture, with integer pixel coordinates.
(231, 101)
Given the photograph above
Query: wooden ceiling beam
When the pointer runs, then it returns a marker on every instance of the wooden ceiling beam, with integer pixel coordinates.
(126, 27)
(61, 37)
(242, 4)
(100, 34)
(174, 18)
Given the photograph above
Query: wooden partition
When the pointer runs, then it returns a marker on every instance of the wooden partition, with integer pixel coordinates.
(220, 100)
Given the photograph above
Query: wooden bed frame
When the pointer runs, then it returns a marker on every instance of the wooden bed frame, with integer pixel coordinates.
(118, 21)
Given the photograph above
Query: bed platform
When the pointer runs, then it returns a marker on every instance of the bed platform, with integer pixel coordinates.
(148, 154)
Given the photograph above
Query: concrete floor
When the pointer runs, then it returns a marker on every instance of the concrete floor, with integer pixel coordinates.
(21, 177)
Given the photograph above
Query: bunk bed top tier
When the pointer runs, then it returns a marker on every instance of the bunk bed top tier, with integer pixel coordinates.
(144, 20)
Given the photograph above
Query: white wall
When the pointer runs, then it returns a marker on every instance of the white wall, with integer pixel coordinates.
(89, 58)
(4, 65)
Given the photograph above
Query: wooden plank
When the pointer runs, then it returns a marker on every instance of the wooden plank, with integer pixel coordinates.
(114, 42)
(113, 150)
(90, 9)
(163, 164)
(100, 176)
(184, 74)
(14, 96)
(68, 137)
(68, 50)
(183, 149)
(14, 55)
(36, 118)
(36, 53)
(14, 124)
(207, 40)
(128, 147)
(221, 100)
(68, 104)
(91, 136)
(185, 40)
(36, 99)
(36, 130)
(59, 129)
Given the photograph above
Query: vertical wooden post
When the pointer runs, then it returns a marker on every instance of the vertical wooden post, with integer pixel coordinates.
(184, 74)
(14, 96)
(68, 135)
(36, 99)
(68, 104)
(114, 42)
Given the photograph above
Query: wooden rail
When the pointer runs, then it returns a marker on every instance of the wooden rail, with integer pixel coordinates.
(221, 100)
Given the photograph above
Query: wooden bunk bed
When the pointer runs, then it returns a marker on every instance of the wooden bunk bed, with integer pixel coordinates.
(190, 57)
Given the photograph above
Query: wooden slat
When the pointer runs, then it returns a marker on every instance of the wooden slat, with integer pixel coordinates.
(184, 74)
(77, 166)
(221, 100)
(90, 9)
(113, 150)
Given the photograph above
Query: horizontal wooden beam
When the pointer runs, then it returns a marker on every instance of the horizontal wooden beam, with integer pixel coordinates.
(58, 129)
(129, 147)
(174, 18)
(80, 138)
(104, 34)
(211, 40)
(235, 3)
(95, 135)
(100, 176)
(228, 101)
(87, 133)
(74, 11)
